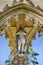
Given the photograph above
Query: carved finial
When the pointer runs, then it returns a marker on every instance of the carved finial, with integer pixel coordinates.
(39, 8)
(31, 3)
(6, 7)
(41, 33)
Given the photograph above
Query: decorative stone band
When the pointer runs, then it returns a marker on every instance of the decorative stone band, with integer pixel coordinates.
(20, 6)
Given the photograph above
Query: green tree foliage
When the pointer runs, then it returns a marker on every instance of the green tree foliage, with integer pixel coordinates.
(34, 62)
(9, 61)
(33, 56)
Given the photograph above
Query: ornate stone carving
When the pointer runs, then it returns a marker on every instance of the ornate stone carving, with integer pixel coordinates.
(21, 42)
(6, 7)
(29, 20)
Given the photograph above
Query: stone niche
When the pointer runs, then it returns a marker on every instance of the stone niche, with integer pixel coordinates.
(21, 22)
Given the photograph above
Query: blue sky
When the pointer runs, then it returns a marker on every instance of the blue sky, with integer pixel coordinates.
(4, 50)
(37, 46)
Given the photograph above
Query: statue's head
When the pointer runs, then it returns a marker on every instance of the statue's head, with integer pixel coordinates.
(21, 31)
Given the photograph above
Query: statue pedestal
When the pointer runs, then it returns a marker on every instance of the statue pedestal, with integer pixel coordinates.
(20, 60)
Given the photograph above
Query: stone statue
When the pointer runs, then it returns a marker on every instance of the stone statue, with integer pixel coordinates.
(21, 42)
